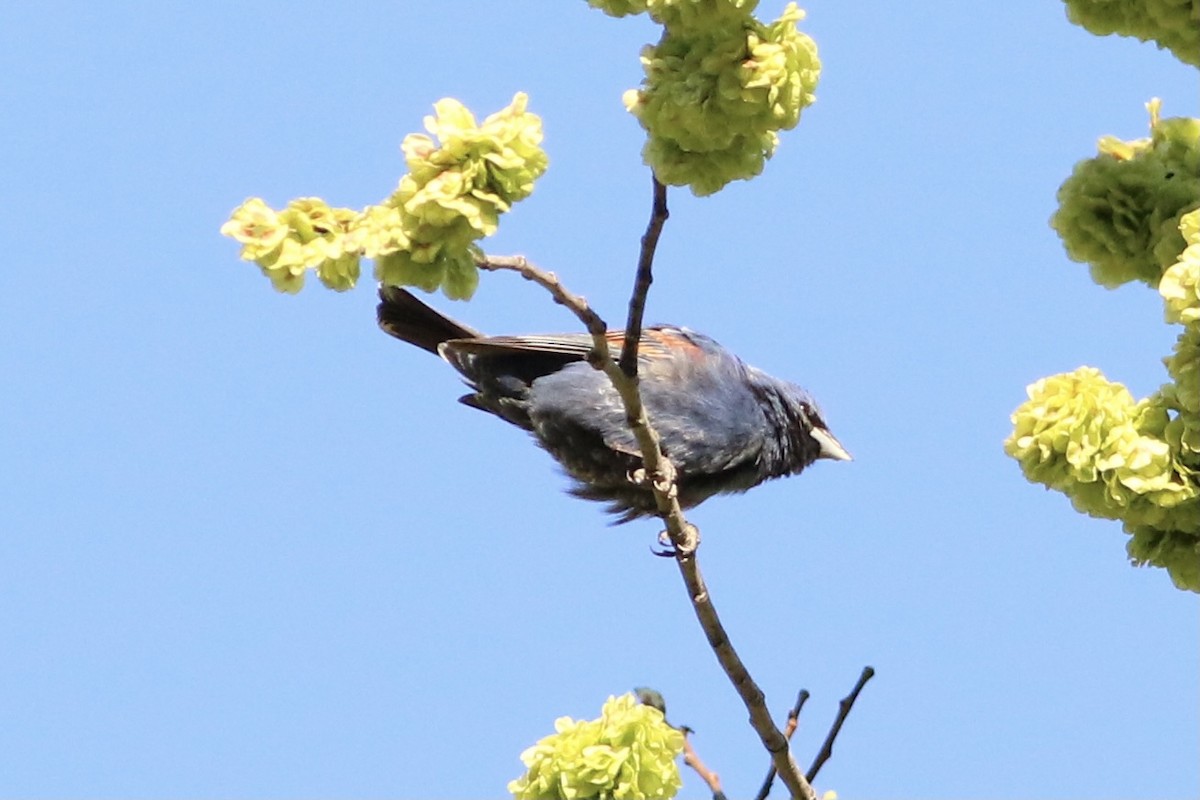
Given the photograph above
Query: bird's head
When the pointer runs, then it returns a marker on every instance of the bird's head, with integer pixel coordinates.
(802, 434)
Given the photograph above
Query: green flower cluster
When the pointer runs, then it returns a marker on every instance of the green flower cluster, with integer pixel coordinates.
(424, 234)
(1182, 398)
(1180, 284)
(1120, 211)
(619, 8)
(1171, 24)
(719, 86)
(1117, 459)
(286, 244)
(627, 754)
(1177, 551)
(693, 14)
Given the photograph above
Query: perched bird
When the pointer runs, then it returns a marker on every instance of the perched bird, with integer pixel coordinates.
(724, 425)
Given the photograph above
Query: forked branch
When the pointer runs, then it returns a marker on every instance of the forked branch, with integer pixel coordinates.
(684, 536)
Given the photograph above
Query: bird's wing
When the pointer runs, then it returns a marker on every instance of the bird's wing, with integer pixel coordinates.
(655, 343)
(574, 347)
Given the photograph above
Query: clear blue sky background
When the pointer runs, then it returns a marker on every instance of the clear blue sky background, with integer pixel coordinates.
(250, 546)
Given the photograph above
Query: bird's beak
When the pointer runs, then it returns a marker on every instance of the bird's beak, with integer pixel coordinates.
(831, 448)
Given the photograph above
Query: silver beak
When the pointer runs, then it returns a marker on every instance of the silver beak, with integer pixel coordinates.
(830, 447)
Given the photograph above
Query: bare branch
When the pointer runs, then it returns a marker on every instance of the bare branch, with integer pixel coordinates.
(844, 706)
(645, 276)
(685, 538)
(712, 779)
(794, 715)
(684, 535)
(550, 282)
(792, 723)
(753, 698)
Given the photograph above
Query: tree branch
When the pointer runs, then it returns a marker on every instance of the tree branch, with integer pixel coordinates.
(760, 718)
(844, 706)
(792, 723)
(684, 535)
(645, 276)
(661, 478)
(794, 715)
(710, 778)
(576, 304)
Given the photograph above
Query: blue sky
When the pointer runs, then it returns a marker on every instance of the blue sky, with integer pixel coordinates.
(250, 546)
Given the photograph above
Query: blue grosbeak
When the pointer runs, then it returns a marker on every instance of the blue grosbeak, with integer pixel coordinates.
(724, 425)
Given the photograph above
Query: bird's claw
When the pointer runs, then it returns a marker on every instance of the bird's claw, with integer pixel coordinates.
(691, 540)
(666, 548)
(663, 479)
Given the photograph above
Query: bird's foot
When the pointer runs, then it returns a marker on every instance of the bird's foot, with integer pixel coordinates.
(663, 479)
(684, 549)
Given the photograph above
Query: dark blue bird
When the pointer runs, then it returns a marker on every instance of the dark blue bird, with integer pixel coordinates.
(725, 426)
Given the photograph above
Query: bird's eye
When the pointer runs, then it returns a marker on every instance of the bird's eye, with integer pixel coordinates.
(812, 415)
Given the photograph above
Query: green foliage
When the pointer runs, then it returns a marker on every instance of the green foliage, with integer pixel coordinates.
(719, 86)
(1180, 284)
(1138, 462)
(1131, 214)
(627, 754)
(1182, 429)
(679, 14)
(1171, 24)
(424, 234)
(1120, 211)
(619, 8)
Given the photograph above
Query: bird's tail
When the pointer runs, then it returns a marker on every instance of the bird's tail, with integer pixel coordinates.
(402, 315)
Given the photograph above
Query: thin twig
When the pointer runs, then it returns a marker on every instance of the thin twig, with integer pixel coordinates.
(844, 706)
(645, 276)
(712, 779)
(793, 722)
(550, 282)
(794, 715)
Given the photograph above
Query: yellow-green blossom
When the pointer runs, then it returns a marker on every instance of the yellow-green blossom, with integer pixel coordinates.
(1176, 551)
(619, 8)
(379, 232)
(1184, 368)
(1136, 462)
(1066, 425)
(307, 235)
(456, 189)
(1180, 284)
(627, 754)
(425, 234)
(714, 97)
(693, 15)
(708, 171)
(1082, 435)
(1138, 467)
(1171, 24)
(1120, 211)
(699, 16)
(255, 226)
